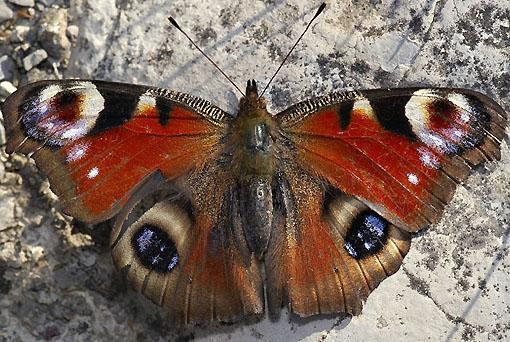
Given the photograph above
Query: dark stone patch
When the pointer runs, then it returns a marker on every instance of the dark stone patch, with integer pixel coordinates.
(469, 334)
(229, 15)
(367, 235)
(416, 24)
(482, 19)
(331, 61)
(280, 97)
(189, 336)
(261, 33)
(155, 249)
(390, 112)
(419, 285)
(431, 261)
(164, 52)
(204, 35)
(50, 332)
(81, 327)
(5, 284)
(360, 67)
(501, 84)
(275, 52)
(383, 77)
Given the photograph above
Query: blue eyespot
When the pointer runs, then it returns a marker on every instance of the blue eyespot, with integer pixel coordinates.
(155, 249)
(367, 235)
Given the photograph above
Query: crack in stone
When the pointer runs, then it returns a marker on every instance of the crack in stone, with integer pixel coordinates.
(420, 286)
(456, 9)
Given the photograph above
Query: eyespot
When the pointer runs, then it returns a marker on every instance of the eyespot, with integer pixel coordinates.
(152, 247)
(367, 235)
(155, 249)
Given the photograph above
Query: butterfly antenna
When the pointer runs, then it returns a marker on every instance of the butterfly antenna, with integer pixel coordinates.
(173, 22)
(321, 8)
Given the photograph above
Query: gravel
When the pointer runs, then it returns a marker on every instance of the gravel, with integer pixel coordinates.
(34, 59)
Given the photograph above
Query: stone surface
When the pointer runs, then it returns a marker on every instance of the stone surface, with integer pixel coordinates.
(34, 59)
(7, 68)
(3, 141)
(20, 33)
(24, 3)
(52, 33)
(6, 89)
(57, 280)
(5, 12)
(72, 32)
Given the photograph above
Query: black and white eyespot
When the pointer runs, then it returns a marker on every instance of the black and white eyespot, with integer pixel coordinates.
(155, 242)
(367, 235)
(445, 122)
(61, 112)
(155, 249)
(364, 232)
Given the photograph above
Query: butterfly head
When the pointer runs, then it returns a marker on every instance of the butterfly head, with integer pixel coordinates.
(252, 100)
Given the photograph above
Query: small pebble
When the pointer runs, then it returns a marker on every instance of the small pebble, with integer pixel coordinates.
(34, 59)
(72, 32)
(47, 3)
(6, 88)
(7, 68)
(5, 12)
(52, 33)
(3, 141)
(20, 33)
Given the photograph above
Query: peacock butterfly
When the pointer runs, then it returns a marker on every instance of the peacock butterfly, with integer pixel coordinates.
(321, 199)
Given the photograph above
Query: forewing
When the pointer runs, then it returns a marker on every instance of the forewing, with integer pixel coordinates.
(403, 151)
(97, 140)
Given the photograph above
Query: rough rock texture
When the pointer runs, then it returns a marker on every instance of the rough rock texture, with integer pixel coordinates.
(52, 34)
(34, 59)
(57, 281)
(5, 12)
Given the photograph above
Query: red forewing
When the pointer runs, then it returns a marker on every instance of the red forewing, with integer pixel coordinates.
(97, 140)
(399, 151)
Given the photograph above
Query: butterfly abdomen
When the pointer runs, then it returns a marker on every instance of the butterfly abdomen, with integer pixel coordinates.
(252, 140)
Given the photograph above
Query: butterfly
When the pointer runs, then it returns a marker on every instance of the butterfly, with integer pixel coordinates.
(219, 216)
(320, 199)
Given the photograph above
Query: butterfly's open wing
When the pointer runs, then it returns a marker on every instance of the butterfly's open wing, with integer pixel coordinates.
(103, 145)
(97, 140)
(388, 162)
